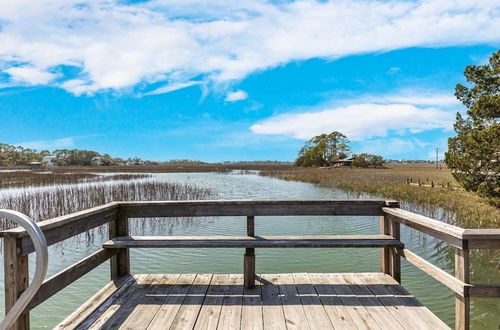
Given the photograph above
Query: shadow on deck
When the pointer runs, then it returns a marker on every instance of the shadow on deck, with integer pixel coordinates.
(220, 301)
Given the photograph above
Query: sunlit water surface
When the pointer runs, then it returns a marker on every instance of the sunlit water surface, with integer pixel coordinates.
(251, 186)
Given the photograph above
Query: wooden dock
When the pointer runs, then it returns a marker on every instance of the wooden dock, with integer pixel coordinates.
(249, 300)
(278, 301)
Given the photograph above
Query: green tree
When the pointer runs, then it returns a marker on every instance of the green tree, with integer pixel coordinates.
(474, 153)
(323, 150)
(367, 160)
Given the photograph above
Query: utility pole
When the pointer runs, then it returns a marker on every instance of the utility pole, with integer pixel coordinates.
(437, 158)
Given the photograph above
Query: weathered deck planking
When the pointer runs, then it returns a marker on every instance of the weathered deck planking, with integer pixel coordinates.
(187, 314)
(251, 312)
(272, 309)
(208, 317)
(295, 316)
(313, 308)
(337, 312)
(377, 310)
(148, 307)
(414, 314)
(230, 315)
(278, 301)
(172, 303)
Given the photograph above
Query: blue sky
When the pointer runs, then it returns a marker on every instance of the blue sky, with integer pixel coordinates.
(231, 80)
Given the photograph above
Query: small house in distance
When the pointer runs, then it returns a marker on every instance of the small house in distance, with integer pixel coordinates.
(47, 161)
(96, 161)
(343, 162)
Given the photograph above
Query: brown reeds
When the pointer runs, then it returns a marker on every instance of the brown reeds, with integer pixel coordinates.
(45, 178)
(50, 202)
(446, 203)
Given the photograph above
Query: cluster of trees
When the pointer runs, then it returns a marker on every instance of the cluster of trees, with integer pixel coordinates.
(323, 150)
(12, 155)
(328, 149)
(367, 160)
(474, 153)
(19, 156)
(75, 157)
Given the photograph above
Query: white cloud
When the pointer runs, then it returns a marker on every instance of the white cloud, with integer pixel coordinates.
(394, 69)
(67, 142)
(427, 99)
(30, 75)
(117, 46)
(358, 121)
(172, 87)
(236, 96)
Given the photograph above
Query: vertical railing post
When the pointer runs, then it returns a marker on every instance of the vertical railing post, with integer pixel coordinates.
(16, 279)
(249, 258)
(390, 261)
(385, 265)
(120, 263)
(462, 303)
(395, 267)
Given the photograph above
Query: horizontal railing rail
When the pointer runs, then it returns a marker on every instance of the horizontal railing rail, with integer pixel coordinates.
(117, 214)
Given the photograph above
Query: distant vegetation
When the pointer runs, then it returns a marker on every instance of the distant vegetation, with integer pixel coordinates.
(474, 154)
(18, 156)
(323, 150)
(367, 160)
(331, 149)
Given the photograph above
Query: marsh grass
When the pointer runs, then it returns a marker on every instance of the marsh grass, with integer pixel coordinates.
(455, 206)
(43, 204)
(47, 178)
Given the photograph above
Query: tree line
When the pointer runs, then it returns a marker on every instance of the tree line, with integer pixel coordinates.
(19, 156)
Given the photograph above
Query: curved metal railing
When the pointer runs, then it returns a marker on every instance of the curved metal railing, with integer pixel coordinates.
(42, 258)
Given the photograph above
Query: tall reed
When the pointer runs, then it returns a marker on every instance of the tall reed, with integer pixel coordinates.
(45, 178)
(50, 202)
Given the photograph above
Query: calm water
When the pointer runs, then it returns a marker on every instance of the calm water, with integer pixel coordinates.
(486, 313)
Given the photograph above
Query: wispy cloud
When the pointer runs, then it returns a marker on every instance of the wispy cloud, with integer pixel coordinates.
(419, 99)
(445, 100)
(393, 70)
(67, 142)
(172, 87)
(117, 46)
(236, 96)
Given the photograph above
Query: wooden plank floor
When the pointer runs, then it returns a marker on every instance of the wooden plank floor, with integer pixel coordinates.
(279, 301)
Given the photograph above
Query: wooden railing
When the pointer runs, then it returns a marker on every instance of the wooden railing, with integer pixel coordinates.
(17, 244)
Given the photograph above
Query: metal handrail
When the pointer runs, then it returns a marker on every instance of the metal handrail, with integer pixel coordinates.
(42, 258)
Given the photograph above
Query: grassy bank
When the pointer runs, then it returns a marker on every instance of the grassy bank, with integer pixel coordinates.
(458, 206)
